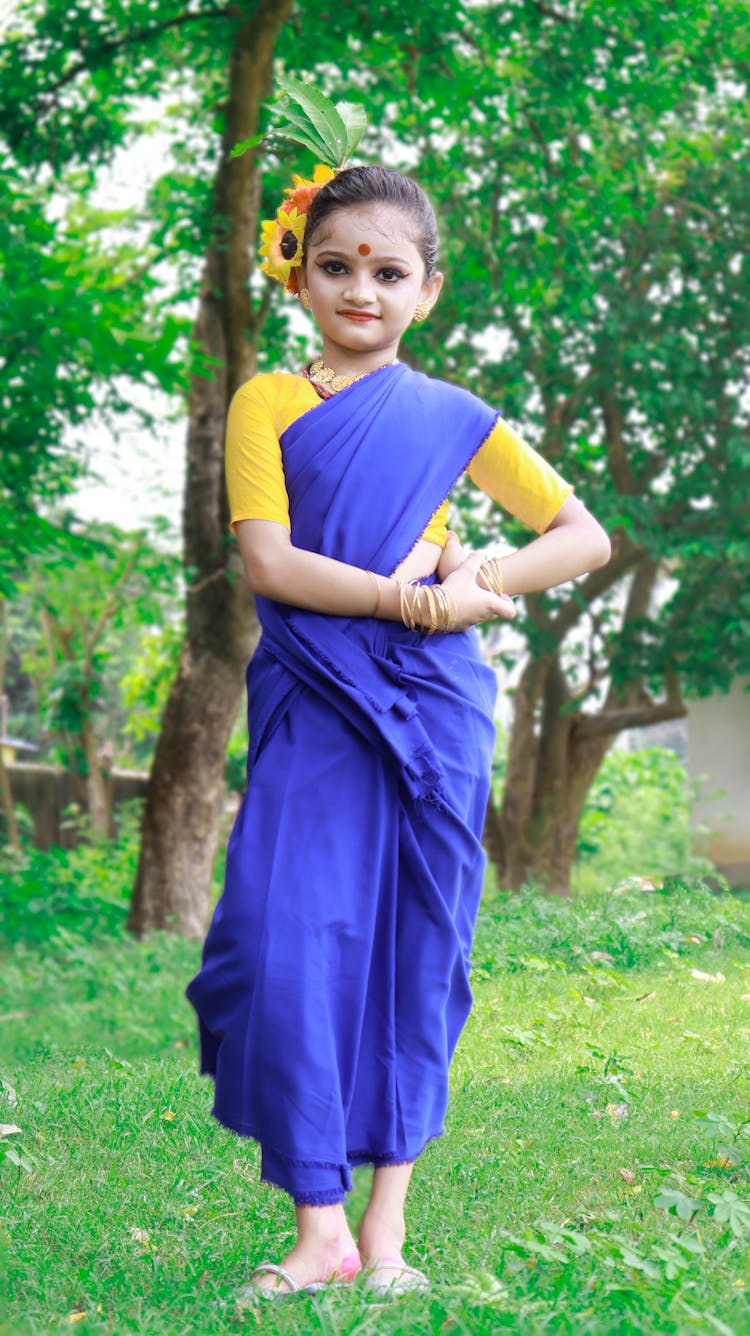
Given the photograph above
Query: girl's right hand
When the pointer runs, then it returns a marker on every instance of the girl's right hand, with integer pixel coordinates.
(474, 604)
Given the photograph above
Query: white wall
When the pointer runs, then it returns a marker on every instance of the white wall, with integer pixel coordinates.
(718, 731)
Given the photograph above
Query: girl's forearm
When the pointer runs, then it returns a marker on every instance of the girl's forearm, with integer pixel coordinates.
(321, 584)
(558, 555)
(277, 570)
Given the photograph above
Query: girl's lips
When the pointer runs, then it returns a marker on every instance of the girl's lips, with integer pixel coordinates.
(360, 316)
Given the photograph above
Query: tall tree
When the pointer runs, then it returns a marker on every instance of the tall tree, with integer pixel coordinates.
(73, 102)
(186, 788)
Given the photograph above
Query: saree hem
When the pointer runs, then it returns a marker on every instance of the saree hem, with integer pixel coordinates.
(278, 1168)
(355, 1157)
(316, 1198)
(392, 1158)
(244, 1129)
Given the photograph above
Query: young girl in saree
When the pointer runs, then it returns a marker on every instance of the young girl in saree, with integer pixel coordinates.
(335, 975)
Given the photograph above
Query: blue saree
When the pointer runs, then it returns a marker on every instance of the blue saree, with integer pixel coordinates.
(335, 976)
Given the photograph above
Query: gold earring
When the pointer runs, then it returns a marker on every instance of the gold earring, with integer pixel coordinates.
(304, 297)
(421, 312)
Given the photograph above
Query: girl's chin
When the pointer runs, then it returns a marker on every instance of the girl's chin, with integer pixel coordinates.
(364, 347)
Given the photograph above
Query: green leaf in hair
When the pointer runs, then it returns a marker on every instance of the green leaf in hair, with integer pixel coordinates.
(354, 117)
(323, 117)
(301, 123)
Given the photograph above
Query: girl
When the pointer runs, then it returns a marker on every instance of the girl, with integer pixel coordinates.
(334, 983)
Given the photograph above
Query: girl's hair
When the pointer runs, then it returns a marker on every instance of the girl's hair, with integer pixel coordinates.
(377, 185)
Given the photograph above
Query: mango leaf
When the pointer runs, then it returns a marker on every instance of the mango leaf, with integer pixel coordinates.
(323, 116)
(301, 125)
(355, 119)
(308, 141)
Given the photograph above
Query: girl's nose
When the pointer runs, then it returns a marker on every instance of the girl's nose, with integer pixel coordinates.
(359, 289)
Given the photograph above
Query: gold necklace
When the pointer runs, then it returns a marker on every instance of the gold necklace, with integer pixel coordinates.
(325, 375)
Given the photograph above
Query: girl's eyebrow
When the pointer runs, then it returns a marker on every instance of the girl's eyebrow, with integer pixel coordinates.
(344, 255)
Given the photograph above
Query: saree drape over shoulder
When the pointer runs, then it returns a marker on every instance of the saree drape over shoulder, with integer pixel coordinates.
(335, 975)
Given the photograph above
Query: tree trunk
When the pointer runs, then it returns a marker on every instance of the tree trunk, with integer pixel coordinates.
(541, 847)
(6, 794)
(98, 788)
(532, 836)
(186, 789)
(556, 748)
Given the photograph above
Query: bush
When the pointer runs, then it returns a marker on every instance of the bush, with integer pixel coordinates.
(637, 822)
(84, 890)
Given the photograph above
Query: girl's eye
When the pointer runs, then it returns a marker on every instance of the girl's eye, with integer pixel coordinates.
(390, 275)
(333, 267)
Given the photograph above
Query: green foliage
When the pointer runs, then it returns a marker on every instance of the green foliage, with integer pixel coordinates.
(77, 316)
(82, 621)
(236, 765)
(146, 681)
(637, 822)
(59, 893)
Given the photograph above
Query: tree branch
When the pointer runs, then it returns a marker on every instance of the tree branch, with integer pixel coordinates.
(624, 478)
(635, 716)
(94, 55)
(625, 554)
(551, 13)
(109, 606)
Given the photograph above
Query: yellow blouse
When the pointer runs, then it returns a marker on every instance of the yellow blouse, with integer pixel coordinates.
(505, 467)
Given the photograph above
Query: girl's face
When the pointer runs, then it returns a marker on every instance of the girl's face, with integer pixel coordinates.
(365, 277)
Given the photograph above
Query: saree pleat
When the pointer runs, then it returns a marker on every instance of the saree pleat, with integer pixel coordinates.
(335, 975)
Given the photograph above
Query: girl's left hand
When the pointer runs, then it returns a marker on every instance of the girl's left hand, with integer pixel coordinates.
(452, 557)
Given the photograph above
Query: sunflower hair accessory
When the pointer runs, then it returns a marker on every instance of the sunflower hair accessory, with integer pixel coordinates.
(332, 132)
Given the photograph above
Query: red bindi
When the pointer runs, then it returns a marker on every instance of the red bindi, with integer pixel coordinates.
(363, 248)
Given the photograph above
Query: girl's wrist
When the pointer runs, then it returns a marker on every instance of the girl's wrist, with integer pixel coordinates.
(429, 609)
(490, 576)
(386, 605)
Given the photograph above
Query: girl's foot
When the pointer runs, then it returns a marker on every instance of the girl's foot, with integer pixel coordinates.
(324, 1251)
(381, 1240)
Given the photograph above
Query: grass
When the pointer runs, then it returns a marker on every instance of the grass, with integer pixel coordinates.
(594, 1178)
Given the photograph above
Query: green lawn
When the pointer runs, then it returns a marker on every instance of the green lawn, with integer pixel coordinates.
(594, 1176)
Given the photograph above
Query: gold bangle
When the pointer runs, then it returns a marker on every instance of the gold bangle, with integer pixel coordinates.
(492, 572)
(379, 588)
(432, 609)
(417, 609)
(407, 613)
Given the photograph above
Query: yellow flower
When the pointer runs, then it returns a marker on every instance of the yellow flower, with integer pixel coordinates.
(281, 245)
(321, 176)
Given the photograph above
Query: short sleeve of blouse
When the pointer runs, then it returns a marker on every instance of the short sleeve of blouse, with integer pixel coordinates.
(518, 478)
(254, 467)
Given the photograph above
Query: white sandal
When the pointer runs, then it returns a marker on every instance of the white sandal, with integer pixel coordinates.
(405, 1280)
(251, 1295)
